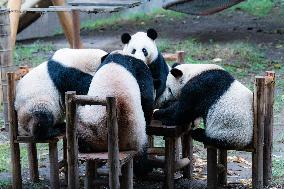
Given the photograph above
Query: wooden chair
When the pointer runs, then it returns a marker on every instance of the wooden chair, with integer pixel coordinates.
(261, 148)
(119, 163)
(15, 141)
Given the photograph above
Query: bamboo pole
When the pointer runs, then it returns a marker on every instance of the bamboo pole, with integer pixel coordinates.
(268, 128)
(72, 150)
(113, 150)
(66, 22)
(14, 18)
(5, 58)
(15, 147)
(258, 133)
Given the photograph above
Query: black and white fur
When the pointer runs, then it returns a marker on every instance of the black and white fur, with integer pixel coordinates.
(130, 81)
(39, 94)
(142, 46)
(209, 92)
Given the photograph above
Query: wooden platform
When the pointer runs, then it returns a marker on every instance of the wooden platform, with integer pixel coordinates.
(31, 139)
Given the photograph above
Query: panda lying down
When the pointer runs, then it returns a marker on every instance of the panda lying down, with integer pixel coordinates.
(208, 91)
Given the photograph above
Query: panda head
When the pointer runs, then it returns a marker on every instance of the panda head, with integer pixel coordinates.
(141, 45)
(179, 75)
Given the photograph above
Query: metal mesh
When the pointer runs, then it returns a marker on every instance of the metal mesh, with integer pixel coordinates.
(199, 7)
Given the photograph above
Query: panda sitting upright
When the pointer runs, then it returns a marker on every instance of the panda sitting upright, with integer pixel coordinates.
(40, 93)
(209, 92)
(142, 46)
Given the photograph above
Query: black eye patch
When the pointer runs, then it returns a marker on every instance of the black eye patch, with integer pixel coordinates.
(145, 52)
(133, 51)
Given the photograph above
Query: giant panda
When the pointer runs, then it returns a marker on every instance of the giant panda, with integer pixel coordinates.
(142, 46)
(209, 92)
(40, 93)
(130, 81)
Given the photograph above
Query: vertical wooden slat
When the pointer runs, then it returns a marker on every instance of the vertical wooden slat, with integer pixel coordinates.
(54, 167)
(5, 58)
(268, 127)
(113, 151)
(222, 160)
(91, 170)
(212, 168)
(170, 162)
(76, 29)
(14, 5)
(15, 148)
(258, 132)
(72, 150)
(33, 162)
(127, 175)
(65, 160)
(187, 151)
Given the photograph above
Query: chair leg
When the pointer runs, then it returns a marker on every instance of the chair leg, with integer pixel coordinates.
(65, 161)
(170, 162)
(91, 173)
(33, 162)
(127, 175)
(257, 171)
(16, 166)
(222, 161)
(187, 152)
(212, 168)
(54, 167)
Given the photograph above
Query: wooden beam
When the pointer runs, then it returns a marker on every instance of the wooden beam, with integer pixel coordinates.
(76, 29)
(14, 19)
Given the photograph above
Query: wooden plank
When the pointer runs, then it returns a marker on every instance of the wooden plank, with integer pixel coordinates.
(91, 170)
(33, 162)
(65, 160)
(113, 150)
(222, 161)
(104, 3)
(72, 145)
(31, 139)
(127, 175)
(268, 128)
(170, 162)
(13, 124)
(258, 132)
(54, 167)
(156, 151)
(212, 168)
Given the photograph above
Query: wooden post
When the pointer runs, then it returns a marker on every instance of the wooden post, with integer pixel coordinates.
(54, 167)
(14, 5)
(5, 58)
(113, 151)
(268, 128)
(76, 29)
(222, 160)
(65, 161)
(15, 148)
(127, 175)
(187, 152)
(212, 168)
(180, 57)
(258, 132)
(33, 162)
(170, 162)
(72, 150)
(91, 170)
(66, 22)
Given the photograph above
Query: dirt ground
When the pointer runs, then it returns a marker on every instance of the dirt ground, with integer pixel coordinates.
(264, 32)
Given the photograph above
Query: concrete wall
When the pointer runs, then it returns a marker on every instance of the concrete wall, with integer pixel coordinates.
(48, 24)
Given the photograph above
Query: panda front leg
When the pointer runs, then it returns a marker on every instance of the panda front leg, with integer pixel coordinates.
(168, 116)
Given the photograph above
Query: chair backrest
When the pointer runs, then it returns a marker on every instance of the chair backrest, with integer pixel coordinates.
(71, 101)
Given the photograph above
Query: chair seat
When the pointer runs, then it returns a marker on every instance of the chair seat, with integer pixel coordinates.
(158, 129)
(31, 139)
(124, 156)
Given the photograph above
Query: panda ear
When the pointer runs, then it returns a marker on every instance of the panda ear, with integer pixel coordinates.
(176, 72)
(104, 57)
(125, 38)
(151, 33)
(175, 65)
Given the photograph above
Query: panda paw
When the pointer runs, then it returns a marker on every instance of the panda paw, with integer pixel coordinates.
(198, 134)
(165, 118)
